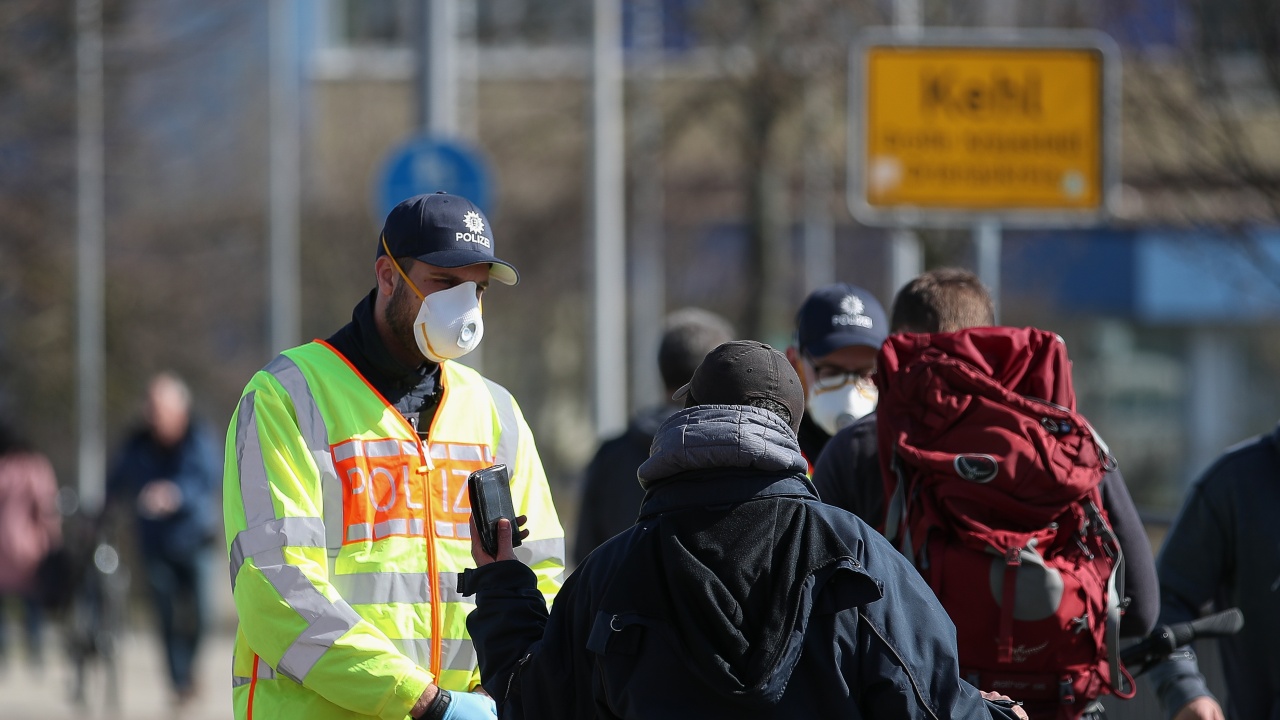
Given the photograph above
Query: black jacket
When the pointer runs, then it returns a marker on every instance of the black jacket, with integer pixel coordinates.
(736, 595)
(611, 492)
(1224, 550)
(847, 475)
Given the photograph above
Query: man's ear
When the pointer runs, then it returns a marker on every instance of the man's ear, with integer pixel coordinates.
(384, 270)
(797, 364)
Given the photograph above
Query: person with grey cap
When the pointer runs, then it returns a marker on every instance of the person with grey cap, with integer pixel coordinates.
(345, 492)
(839, 330)
(736, 594)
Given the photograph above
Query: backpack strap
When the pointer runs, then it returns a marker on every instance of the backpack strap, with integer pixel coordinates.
(897, 503)
(1008, 600)
(1121, 681)
(897, 530)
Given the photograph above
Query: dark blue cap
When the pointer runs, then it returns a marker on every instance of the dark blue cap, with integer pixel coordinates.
(837, 316)
(443, 230)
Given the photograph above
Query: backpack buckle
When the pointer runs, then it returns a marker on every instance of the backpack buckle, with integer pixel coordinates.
(1066, 691)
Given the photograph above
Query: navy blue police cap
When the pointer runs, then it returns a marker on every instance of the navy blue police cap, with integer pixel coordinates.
(837, 316)
(443, 230)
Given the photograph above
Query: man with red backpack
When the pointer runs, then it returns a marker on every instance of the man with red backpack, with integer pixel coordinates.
(979, 467)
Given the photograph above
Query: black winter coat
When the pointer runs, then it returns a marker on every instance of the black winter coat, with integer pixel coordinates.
(736, 595)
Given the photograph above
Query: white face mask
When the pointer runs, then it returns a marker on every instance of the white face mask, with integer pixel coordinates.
(834, 408)
(449, 324)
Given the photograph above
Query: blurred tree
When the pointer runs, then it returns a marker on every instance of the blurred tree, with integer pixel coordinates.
(1202, 110)
(184, 222)
(37, 214)
(767, 54)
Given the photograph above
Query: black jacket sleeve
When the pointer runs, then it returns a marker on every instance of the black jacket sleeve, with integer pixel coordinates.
(847, 473)
(1194, 563)
(611, 494)
(592, 516)
(532, 666)
(1141, 588)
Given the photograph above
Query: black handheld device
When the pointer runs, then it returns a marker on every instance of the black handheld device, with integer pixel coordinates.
(490, 491)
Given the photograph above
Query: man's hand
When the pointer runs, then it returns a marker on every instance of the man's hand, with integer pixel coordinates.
(462, 706)
(505, 549)
(159, 499)
(471, 706)
(1005, 701)
(1202, 708)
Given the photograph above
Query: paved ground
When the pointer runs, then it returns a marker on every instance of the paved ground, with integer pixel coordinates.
(27, 694)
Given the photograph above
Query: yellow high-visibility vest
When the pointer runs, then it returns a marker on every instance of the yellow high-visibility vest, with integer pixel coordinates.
(346, 536)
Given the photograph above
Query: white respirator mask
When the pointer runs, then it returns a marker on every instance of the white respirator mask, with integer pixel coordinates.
(832, 408)
(449, 323)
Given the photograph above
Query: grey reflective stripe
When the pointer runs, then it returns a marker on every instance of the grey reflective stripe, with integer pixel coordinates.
(416, 649)
(327, 621)
(254, 491)
(468, 452)
(533, 552)
(383, 587)
(453, 530)
(449, 588)
(509, 442)
(393, 587)
(394, 526)
(382, 448)
(265, 672)
(278, 533)
(310, 422)
(346, 450)
(456, 654)
(374, 448)
(315, 435)
(332, 494)
(459, 654)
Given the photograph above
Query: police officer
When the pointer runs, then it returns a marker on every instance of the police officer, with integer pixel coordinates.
(839, 330)
(345, 498)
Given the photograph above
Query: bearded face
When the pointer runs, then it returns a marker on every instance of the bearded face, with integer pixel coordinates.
(400, 314)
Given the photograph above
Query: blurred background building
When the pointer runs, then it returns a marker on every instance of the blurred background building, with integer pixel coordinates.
(735, 136)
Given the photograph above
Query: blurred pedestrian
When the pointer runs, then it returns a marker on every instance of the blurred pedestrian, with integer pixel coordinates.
(346, 503)
(611, 493)
(1223, 551)
(30, 528)
(839, 329)
(167, 474)
(736, 594)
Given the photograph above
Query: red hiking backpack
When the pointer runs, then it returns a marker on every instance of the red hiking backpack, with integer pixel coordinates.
(991, 480)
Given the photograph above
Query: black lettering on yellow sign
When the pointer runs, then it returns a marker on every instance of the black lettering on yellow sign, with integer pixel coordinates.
(903, 141)
(1049, 143)
(985, 175)
(945, 92)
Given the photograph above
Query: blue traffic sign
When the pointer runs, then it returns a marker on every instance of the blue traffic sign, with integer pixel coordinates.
(429, 163)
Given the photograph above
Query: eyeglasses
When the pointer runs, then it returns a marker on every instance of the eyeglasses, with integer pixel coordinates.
(830, 377)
